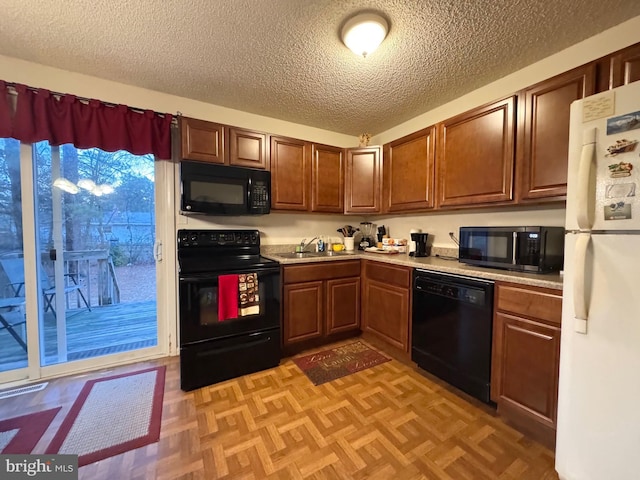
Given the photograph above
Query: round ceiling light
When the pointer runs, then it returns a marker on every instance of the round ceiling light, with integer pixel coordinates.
(364, 33)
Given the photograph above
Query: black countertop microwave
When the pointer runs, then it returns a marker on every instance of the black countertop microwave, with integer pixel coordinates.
(222, 190)
(525, 249)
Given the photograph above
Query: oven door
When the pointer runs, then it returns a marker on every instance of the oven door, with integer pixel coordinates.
(199, 302)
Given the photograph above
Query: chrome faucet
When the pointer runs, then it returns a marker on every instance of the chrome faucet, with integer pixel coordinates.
(304, 244)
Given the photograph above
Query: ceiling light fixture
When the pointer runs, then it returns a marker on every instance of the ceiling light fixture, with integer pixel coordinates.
(364, 32)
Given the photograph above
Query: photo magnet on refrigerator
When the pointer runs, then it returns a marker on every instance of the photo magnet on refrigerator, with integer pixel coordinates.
(623, 123)
(618, 190)
(617, 211)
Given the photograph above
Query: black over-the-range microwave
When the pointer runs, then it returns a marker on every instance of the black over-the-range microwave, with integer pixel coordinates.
(526, 249)
(212, 189)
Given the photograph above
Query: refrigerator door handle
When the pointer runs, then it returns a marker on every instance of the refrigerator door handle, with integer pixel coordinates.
(585, 198)
(579, 290)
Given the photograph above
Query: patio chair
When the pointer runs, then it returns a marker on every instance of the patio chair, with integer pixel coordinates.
(14, 271)
(12, 316)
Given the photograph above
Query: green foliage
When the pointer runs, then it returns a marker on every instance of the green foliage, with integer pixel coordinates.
(120, 259)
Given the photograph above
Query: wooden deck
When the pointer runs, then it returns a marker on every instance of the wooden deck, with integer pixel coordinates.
(101, 331)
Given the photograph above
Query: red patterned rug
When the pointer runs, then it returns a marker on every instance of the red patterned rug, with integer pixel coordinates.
(21, 434)
(339, 362)
(112, 415)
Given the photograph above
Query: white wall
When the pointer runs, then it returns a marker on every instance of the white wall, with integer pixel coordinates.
(609, 41)
(277, 228)
(438, 225)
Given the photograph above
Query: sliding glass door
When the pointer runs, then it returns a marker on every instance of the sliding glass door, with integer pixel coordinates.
(13, 325)
(81, 279)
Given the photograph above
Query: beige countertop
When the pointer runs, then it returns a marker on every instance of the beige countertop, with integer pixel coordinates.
(435, 264)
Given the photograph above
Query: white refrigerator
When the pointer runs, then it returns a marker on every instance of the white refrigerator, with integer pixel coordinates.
(598, 434)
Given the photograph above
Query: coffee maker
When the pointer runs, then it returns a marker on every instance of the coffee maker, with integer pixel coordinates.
(420, 240)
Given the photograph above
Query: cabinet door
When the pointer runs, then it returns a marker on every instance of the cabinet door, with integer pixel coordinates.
(526, 360)
(202, 140)
(385, 312)
(408, 172)
(343, 305)
(363, 180)
(327, 179)
(543, 145)
(476, 152)
(303, 312)
(625, 66)
(248, 148)
(290, 176)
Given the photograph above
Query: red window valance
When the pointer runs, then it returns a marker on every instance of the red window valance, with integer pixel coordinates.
(5, 112)
(40, 115)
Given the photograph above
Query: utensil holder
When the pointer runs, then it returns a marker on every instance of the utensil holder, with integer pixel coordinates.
(348, 244)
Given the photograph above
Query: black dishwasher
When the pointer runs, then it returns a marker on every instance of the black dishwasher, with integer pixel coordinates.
(452, 329)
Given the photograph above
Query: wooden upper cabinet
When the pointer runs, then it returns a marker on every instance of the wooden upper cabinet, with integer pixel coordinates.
(290, 165)
(363, 178)
(201, 140)
(625, 66)
(543, 136)
(248, 148)
(476, 152)
(409, 172)
(327, 178)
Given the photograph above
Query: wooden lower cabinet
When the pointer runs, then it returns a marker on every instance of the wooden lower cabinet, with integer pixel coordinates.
(303, 312)
(526, 358)
(386, 302)
(321, 303)
(343, 305)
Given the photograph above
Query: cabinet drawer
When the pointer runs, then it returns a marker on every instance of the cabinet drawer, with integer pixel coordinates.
(388, 274)
(321, 271)
(539, 303)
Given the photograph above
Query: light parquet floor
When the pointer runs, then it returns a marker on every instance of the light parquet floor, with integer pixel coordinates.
(387, 422)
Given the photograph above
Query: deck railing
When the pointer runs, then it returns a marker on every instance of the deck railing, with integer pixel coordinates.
(94, 269)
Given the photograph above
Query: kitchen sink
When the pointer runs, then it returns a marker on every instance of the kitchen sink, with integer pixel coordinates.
(300, 254)
(312, 254)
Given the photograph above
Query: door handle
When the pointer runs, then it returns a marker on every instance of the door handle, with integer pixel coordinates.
(53, 255)
(580, 300)
(585, 213)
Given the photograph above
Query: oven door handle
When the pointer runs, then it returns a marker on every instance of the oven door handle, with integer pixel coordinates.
(210, 277)
(251, 343)
(196, 279)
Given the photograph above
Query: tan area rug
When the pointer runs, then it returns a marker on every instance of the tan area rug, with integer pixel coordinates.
(338, 362)
(112, 415)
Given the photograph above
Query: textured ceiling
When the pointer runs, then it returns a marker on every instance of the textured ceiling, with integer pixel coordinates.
(284, 58)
